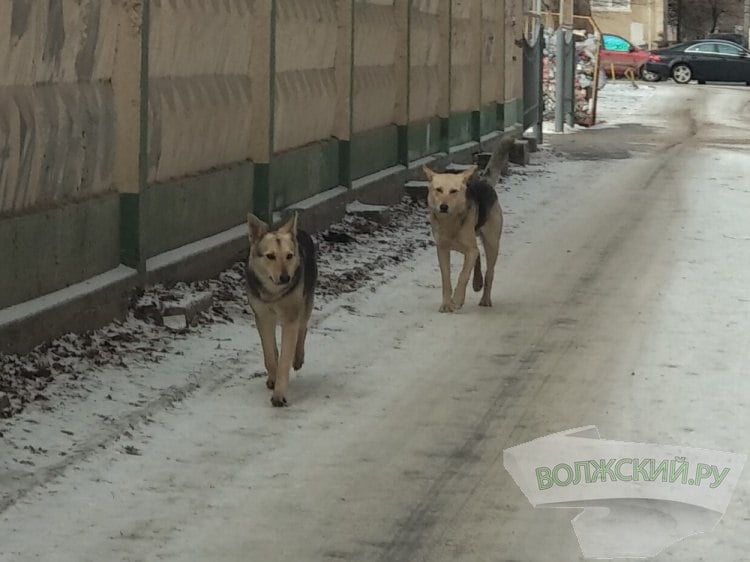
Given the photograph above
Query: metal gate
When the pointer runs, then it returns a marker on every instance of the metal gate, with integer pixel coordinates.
(533, 96)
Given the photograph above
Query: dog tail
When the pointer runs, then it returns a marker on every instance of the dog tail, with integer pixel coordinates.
(477, 283)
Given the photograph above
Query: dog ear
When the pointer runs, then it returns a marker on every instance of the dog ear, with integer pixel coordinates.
(256, 228)
(290, 227)
(427, 172)
(468, 172)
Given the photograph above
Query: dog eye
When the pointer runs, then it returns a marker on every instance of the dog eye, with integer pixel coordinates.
(271, 256)
(289, 256)
(454, 190)
(439, 189)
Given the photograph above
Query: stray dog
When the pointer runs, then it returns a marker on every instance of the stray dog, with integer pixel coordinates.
(462, 208)
(281, 275)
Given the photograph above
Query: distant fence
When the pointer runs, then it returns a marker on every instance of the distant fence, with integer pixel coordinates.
(130, 128)
(533, 92)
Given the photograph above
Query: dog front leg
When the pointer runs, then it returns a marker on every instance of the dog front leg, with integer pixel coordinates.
(299, 352)
(444, 261)
(266, 324)
(289, 335)
(470, 259)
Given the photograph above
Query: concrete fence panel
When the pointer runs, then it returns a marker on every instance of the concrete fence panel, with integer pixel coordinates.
(200, 120)
(379, 37)
(493, 65)
(306, 93)
(514, 14)
(58, 202)
(307, 98)
(199, 86)
(465, 70)
(428, 80)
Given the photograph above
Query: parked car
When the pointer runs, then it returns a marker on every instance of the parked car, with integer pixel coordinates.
(620, 54)
(704, 60)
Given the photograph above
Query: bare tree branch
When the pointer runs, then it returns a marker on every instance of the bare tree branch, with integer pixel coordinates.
(697, 18)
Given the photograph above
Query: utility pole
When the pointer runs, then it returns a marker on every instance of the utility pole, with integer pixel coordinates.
(746, 26)
(565, 73)
(679, 20)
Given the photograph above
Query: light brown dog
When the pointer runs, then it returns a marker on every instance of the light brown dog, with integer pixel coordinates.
(281, 275)
(462, 208)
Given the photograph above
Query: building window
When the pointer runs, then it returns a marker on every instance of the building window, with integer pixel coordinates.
(610, 5)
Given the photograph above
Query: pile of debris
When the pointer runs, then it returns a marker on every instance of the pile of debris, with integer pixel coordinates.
(585, 53)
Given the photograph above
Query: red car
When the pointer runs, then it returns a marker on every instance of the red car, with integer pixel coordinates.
(621, 54)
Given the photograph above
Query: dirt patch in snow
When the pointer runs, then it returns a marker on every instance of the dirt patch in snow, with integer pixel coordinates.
(352, 254)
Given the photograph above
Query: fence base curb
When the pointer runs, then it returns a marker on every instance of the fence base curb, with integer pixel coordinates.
(91, 303)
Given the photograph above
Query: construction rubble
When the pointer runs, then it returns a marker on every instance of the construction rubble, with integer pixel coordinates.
(585, 65)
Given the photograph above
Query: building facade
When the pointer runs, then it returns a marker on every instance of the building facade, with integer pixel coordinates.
(642, 22)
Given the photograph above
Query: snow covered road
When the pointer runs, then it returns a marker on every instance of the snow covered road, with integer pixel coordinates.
(622, 300)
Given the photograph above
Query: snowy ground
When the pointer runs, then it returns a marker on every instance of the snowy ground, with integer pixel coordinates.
(620, 301)
(620, 102)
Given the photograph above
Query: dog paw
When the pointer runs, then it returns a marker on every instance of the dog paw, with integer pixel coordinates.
(278, 401)
(270, 383)
(485, 302)
(458, 304)
(298, 362)
(447, 307)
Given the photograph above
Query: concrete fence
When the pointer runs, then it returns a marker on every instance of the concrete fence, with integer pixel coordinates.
(134, 133)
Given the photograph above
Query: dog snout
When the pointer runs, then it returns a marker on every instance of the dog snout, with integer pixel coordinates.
(443, 208)
(284, 278)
